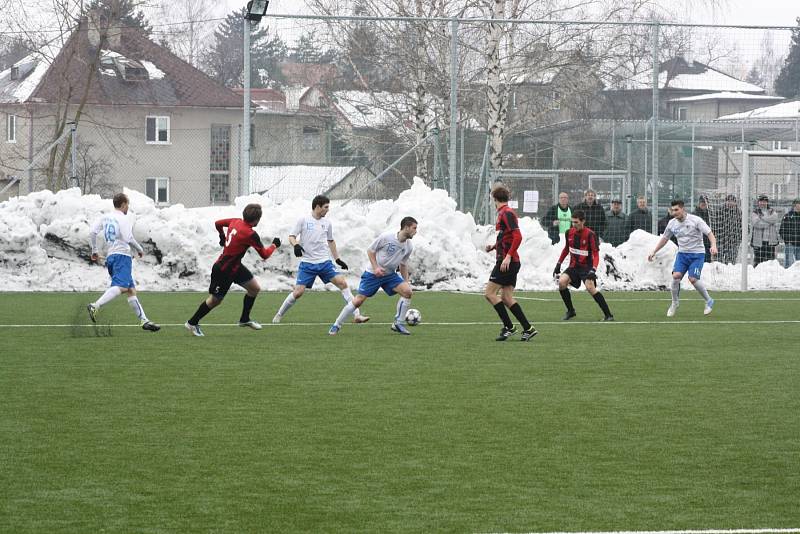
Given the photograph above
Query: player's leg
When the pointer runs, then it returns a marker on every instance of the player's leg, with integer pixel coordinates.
(136, 306)
(348, 310)
(396, 284)
(112, 292)
(507, 294)
(491, 295)
(217, 289)
(679, 269)
(340, 282)
(564, 281)
(253, 288)
(591, 286)
(306, 275)
(695, 270)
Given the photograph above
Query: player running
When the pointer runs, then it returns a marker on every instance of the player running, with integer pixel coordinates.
(504, 275)
(312, 240)
(228, 268)
(689, 230)
(582, 246)
(117, 230)
(386, 254)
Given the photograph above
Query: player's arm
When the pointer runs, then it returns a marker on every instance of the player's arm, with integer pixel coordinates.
(377, 270)
(219, 225)
(258, 246)
(135, 244)
(595, 248)
(93, 231)
(516, 239)
(335, 255)
(561, 257)
(659, 246)
(712, 239)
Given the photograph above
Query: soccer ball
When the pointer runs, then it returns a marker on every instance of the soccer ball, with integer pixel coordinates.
(413, 317)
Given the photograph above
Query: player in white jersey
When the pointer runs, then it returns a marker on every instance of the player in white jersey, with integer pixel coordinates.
(117, 231)
(312, 239)
(388, 253)
(689, 230)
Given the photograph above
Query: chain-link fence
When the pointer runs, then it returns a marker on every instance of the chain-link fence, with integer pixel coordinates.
(364, 104)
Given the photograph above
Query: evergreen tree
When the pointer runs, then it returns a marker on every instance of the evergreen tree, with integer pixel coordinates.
(308, 50)
(788, 81)
(754, 77)
(130, 16)
(224, 59)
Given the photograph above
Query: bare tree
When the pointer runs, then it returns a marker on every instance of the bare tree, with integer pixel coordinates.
(187, 27)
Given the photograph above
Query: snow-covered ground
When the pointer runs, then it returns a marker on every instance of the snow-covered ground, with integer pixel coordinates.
(44, 245)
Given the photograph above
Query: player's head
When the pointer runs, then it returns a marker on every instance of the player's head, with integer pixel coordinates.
(563, 199)
(590, 196)
(120, 201)
(578, 219)
(641, 202)
(252, 214)
(320, 205)
(500, 194)
(408, 226)
(677, 209)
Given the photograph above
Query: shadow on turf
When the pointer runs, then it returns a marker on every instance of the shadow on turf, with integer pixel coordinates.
(82, 327)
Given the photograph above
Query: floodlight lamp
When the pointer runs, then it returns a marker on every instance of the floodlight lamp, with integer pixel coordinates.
(256, 9)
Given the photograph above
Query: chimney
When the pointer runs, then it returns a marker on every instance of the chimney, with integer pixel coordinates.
(104, 23)
(96, 25)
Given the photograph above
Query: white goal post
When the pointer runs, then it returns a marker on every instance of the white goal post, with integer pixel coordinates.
(746, 155)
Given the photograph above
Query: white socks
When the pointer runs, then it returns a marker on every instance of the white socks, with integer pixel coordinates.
(110, 294)
(347, 295)
(701, 288)
(676, 290)
(402, 308)
(344, 314)
(288, 303)
(133, 302)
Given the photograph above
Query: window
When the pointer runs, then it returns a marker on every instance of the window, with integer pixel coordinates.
(15, 73)
(780, 145)
(738, 149)
(157, 189)
(220, 163)
(556, 101)
(11, 128)
(679, 114)
(311, 138)
(157, 131)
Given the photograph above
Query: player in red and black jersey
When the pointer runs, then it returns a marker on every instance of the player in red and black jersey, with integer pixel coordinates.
(583, 248)
(504, 276)
(228, 268)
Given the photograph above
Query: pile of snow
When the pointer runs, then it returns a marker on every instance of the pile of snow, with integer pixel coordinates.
(44, 245)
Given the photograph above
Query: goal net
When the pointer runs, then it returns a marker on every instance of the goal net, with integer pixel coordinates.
(748, 230)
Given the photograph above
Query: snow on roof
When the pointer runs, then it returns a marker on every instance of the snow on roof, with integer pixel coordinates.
(31, 69)
(784, 110)
(709, 80)
(293, 96)
(152, 71)
(284, 182)
(725, 95)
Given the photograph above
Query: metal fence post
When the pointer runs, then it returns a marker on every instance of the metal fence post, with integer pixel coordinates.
(453, 139)
(654, 177)
(244, 177)
(745, 216)
(73, 128)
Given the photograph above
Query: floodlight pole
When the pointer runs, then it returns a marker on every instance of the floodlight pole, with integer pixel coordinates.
(453, 137)
(654, 177)
(745, 215)
(244, 179)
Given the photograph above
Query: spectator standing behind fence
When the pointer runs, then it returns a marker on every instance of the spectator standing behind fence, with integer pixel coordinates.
(558, 218)
(790, 233)
(728, 230)
(595, 214)
(702, 211)
(639, 219)
(616, 221)
(764, 221)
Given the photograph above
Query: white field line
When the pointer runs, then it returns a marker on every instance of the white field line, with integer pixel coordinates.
(710, 531)
(611, 298)
(441, 323)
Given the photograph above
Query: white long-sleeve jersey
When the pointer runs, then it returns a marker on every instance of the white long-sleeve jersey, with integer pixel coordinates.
(117, 230)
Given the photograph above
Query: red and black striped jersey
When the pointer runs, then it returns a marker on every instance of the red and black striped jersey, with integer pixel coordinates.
(582, 247)
(508, 235)
(238, 239)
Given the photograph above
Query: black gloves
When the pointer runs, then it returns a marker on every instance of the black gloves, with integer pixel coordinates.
(298, 250)
(340, 262)
(222, 240)
(557, 271)
(276, 241)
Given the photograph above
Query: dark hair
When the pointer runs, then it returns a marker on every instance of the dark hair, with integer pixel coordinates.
(501, 193)
(120, 199)
(677, 202)
(320, 200)
(251, 213)
(407, 221)
(579, 214)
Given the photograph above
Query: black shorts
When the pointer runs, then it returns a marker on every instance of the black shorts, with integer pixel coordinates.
(578, 275)
(221, 281)
(508, 278)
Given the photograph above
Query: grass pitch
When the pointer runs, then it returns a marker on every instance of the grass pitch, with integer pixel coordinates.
(648, 423)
